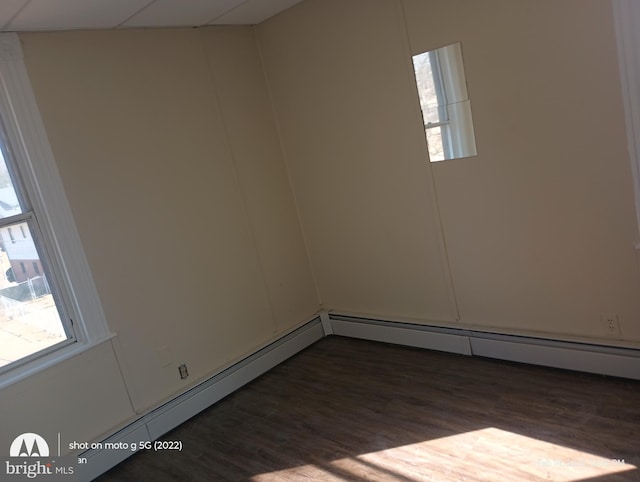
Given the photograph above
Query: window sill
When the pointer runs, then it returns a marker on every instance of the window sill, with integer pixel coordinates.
(40, 364)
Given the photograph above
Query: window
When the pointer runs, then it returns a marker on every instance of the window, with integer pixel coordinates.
(446, 109)
(46, 289)
(33, 320)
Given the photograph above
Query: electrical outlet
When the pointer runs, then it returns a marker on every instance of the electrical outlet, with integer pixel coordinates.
(610, 324)
(182, 369)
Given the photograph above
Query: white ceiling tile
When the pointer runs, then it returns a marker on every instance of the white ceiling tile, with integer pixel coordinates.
(8, 8)
(181, 13)
(253, 12)
(20, 15)
(74, 14)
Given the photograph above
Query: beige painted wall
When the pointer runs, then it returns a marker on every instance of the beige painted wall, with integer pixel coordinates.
(168, 152)
(247, 112)
(539, 227)
(344, 99)
(80, 398)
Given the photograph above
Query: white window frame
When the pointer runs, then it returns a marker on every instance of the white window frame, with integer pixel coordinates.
(443, 111)
(626, 19)
(34, 159)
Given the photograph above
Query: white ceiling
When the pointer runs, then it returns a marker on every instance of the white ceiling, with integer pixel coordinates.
(21, 15)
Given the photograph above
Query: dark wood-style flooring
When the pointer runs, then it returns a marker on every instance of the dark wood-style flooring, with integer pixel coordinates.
(354, 410)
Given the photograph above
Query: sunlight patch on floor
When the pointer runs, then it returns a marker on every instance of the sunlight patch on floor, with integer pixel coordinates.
(476, 455)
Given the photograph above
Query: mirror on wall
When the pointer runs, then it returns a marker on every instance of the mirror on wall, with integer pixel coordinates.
(445, 104)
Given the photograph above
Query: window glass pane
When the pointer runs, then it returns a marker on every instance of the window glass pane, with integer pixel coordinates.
(429, 89)
(433, 115)
(425, 80)
(29, 318)
(435, 144)
(9, 203)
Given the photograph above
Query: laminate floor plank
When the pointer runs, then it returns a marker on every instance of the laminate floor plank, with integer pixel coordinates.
(353, 410)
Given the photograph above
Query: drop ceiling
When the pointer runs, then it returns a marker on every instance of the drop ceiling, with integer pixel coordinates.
(28, 15)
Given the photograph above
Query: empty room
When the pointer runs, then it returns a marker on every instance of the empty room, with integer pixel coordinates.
(269, 240)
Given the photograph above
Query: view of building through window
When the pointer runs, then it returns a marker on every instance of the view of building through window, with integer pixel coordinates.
(29, 319)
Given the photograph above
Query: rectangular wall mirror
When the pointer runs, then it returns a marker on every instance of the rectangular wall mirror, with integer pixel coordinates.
(445, 104)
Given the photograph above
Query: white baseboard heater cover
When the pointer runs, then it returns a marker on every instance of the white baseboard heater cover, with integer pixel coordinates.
(584, 357)
(165, 418)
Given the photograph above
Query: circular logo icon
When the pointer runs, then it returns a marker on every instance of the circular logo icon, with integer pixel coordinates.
(29, 445)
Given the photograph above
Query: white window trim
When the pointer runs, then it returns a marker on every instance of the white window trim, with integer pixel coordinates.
(30, 146)
(626, 19)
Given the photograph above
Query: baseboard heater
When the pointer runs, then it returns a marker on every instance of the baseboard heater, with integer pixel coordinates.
(156, 423)
(593, 358)
(584, 357)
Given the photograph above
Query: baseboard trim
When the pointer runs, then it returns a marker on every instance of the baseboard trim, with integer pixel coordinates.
(431, 338)
(583, 357)
(156, 423)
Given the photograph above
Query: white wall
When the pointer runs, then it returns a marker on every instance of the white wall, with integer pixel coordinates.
(345, 102)
(168, 152)
(539, 227)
